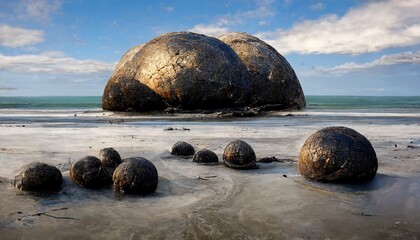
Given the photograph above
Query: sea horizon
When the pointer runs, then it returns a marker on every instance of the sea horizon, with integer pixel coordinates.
(339, 102)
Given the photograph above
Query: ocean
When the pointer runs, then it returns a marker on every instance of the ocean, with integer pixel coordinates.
(314, 103)
(57, 102)
(362, 102)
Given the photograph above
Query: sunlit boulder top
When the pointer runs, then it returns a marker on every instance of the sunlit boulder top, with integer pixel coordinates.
(190, 71)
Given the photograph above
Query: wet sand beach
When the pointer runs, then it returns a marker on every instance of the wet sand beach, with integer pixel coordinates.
(210, 202)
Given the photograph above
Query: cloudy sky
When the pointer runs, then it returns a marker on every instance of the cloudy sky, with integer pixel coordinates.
(337, 47)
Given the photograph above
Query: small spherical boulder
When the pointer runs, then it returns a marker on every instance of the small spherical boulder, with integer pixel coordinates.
(38, 176)
(205, 156)
(136, 176)
(273, 80)
(110, 158)
(183, 149)
(88, 172)
(239, 154)
(337, 154)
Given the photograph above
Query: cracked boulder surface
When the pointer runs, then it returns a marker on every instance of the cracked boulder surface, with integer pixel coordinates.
(180, 69)
(123, 92)
(337, 154)
(273, 80)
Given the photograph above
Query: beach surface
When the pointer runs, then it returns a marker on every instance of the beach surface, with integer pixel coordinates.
(209, 202)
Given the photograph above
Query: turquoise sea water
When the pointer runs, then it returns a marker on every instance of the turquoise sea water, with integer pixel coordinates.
(313, 102)
(59, 102)
(362, 102)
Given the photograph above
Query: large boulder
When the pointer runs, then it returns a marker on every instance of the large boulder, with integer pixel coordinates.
(179, 69)
(123, 92)
(337, 154)
(273, 79)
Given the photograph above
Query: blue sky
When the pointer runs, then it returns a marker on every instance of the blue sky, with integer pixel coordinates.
(337, 47)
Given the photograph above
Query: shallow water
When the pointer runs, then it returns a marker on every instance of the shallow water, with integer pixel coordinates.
(209, 202)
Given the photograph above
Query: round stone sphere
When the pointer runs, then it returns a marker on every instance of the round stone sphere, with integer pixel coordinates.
(38, 176)
(123, 92)
(136, 176)
(186, 70)
(182, 148)
(110, 158)
(88, 172)
(239, 154)
(273, 80)
(205, 156)
(337, 154)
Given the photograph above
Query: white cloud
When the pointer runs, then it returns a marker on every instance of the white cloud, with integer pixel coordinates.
(53, 63)
(14, 37)
(222, 24)
(39, 10)
(386, 60)
(370, 27)
(212, 30)
(317, 6)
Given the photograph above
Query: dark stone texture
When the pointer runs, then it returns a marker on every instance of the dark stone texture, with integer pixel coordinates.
(239, 154)
(182, 148)
(136, 176)
(88, 172)
(337, 154)
(123, 92)
(37, 176)
(180, 69)
(110, 159)
(206, 157)
(273, 80)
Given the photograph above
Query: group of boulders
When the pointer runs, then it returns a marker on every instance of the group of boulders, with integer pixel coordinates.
(238, 154)
(189, 71)
(332, 154)
(130, 175)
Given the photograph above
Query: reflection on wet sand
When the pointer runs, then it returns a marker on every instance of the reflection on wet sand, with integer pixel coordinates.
(196, 201)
